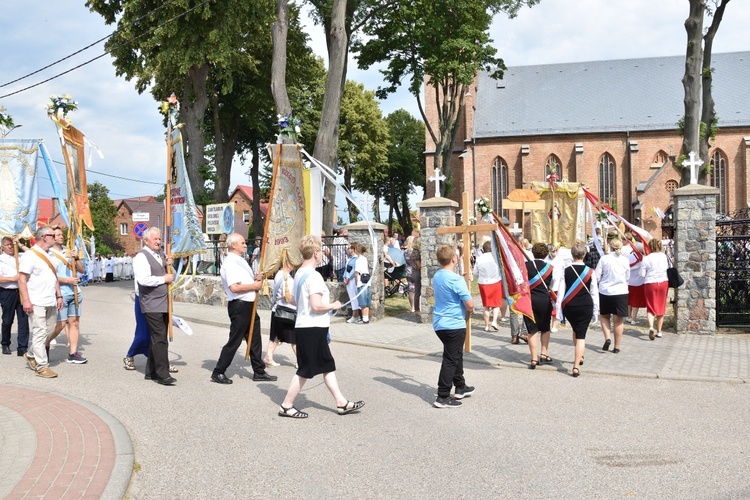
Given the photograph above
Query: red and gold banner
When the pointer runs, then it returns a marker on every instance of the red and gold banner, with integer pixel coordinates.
(78, 195)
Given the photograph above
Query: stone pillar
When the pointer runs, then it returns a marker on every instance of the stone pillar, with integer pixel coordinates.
(433, 214)
(695, 258)
(359, 233)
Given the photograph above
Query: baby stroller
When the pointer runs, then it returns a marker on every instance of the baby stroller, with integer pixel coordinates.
(396, 281)
(395, 276)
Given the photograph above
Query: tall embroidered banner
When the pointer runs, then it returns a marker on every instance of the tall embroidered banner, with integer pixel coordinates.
(19, 192)
(564, 210)
(185, 232)
(512, 264)
(286, 211)
(78, 195)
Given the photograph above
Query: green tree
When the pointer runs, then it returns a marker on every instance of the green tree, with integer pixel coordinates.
(363, 142)
(103, 213)
(446, 43)
(406, 165)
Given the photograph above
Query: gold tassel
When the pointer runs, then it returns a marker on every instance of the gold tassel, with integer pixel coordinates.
(265, 287)
(287, 293)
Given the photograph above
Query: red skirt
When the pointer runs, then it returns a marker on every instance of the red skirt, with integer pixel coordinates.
(492, 295)
(636, 297)
(656, 297)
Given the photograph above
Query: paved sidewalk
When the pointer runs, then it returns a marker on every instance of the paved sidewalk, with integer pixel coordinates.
(718, 358)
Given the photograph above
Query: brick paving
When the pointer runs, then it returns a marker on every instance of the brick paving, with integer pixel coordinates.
(55, 447)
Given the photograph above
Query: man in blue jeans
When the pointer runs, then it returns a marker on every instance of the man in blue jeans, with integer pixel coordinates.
(452, 302)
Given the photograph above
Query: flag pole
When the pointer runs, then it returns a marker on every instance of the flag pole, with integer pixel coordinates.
(261, 258)
(168, 223)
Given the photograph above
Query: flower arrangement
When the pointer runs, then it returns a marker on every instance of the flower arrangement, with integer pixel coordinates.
(472, 220)
(6, 121)
(288, 127)
(59, 106)
(482, 206)
(170, 108)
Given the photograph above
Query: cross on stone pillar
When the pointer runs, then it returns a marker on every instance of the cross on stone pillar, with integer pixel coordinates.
(694, 163)
(465, 231)
(436, 179)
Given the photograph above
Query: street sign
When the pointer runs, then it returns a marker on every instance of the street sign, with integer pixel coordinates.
(140, 216)
(139, 229)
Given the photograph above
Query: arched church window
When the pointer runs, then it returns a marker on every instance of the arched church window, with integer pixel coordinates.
(718, 178)
(671, 185)
(659, 159)
(499, 184)
(607, 179)
(553, 165)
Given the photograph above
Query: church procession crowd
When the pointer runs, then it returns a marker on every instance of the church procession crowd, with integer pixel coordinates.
(41, 289)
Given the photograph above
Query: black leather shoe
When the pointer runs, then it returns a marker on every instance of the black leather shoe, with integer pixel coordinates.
(220, 379)
(264, 377)
(167, 381)
(6, 350)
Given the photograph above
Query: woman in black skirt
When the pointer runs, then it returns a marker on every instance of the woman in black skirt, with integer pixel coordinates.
(314, 356)
(540, 278)
(282, 325)
(578, 301)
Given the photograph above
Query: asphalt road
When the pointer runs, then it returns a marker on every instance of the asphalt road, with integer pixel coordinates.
(523, 434)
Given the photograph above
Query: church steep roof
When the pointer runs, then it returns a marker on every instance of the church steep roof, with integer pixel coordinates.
(604, 96)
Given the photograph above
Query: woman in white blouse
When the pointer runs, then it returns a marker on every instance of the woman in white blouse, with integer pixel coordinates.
(314, 357)
(282, 330)
(612, 275)
(655, 286)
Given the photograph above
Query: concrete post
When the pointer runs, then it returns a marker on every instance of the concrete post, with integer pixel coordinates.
(695, 258)
(433, 214)
(359, 233)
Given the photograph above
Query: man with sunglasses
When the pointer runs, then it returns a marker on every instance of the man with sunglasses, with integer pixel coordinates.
(41, 298)
(10, 301)
(67, 268)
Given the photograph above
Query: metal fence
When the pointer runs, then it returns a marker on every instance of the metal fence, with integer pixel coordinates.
(733, 269)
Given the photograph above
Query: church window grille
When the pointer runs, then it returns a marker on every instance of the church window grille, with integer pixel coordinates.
(553, 165)
(718, 179)
(671, 185)
(607, 179)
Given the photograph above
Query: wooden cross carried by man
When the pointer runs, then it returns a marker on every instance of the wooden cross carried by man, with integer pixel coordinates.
(465, 230)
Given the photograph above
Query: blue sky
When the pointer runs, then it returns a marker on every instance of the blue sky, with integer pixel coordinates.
(127, 127)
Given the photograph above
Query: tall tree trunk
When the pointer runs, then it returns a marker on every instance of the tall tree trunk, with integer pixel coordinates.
(404, 215)
(258, 225)
(376, 209)
(691, 81)
(279, 30)
(352, 207)
(708, 112)
(326, 144)
(225, 146)
(192, 114)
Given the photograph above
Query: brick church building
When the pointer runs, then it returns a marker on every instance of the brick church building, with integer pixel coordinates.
(610, 125)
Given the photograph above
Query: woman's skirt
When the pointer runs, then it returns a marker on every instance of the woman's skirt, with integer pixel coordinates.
(635, 296)
(492, 294)
(656, 297)
(313, 353)
(579, 318)
(614, 304)
(542, 307)
(282, 330)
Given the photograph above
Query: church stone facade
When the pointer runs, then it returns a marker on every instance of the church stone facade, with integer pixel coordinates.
(611, 125)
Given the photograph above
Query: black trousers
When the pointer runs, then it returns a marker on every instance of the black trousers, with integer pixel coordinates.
(452, 368)
(158, 357)
(10, 302)
(239, 317)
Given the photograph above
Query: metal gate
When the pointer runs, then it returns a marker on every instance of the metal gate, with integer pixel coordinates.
(733, 269)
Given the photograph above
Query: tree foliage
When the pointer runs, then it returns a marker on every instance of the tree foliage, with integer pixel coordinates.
(363, 142)
(103, 213)
(442, 42)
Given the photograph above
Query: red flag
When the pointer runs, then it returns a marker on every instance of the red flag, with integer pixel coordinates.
(638, 232)
(512, 262)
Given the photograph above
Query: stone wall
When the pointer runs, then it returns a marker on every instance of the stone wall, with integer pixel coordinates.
(433, 214)
(695, 258)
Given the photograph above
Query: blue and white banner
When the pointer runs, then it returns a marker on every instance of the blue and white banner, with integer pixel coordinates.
(185, 233)
(19, 191)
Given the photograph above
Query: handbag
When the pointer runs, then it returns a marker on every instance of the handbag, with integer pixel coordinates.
(673, 276)
(285, 314)
(364, 277)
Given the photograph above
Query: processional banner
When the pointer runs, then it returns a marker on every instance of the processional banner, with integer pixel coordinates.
(287, 208)
(563, 205)
(78, 196)
(185, 232)
(19, 192)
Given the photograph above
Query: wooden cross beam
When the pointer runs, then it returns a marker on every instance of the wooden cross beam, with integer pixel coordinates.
(465, 230)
